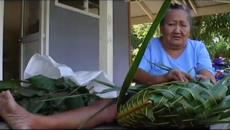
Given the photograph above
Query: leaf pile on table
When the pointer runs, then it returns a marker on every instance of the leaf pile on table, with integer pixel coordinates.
(46, 96)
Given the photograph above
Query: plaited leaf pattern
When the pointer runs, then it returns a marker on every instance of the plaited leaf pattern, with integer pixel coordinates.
(177, 104)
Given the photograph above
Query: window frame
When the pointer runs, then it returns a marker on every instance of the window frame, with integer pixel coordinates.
(85, 12)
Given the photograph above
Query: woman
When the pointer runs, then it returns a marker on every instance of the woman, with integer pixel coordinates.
(173, 48)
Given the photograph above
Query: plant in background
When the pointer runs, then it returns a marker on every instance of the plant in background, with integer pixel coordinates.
(138, 33)
(221, 46)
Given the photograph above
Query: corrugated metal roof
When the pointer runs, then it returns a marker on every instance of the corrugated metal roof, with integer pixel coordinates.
(154, 6)
(136, 10)
(205, 3)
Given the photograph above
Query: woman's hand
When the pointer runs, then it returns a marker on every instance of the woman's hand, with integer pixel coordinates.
(177, 75)
(200, 77)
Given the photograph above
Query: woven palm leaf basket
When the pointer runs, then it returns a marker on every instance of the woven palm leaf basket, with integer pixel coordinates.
(177, 104)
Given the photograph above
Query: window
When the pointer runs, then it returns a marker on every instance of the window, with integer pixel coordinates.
(31, 17)
(88, 7)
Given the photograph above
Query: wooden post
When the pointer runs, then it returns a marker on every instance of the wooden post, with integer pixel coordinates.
(1, 37)
(106, 37)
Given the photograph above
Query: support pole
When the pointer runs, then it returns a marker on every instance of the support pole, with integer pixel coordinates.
(106, 37)
(1, 37)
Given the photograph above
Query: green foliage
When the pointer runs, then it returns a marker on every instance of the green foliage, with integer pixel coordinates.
(213, 30)
(206, 28)
(138, 34)
(221, 47)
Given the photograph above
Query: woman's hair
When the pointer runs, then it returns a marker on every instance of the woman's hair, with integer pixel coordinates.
(181, 7)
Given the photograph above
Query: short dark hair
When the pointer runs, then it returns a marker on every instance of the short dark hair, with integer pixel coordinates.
(181, 7)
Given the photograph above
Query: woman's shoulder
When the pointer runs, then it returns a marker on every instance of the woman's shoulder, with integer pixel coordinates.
(196, 44)
(154, 41)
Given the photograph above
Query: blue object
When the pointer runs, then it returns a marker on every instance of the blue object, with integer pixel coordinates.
(218, 66)
(194, 55)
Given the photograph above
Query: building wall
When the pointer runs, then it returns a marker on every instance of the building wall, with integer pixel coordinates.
(74, 40)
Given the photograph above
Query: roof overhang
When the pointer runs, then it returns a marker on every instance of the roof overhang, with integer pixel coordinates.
(145, 11)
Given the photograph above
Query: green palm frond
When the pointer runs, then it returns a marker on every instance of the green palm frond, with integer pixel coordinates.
(166, 68)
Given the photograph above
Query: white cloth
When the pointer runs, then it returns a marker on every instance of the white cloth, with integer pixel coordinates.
(46, 66)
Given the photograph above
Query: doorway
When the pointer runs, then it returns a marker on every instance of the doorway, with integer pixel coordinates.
(24, 34)
(11, 34)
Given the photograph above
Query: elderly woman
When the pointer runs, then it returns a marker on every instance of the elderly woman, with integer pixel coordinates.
(173, 48)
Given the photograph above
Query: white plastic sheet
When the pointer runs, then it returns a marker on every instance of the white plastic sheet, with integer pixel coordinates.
(45, 65)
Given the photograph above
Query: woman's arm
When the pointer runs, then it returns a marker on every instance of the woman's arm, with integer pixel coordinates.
(142, 77)
(204, 64)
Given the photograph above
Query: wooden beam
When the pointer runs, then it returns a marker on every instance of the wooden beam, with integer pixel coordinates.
(222, 1)
(193, 6)
(106, 38)
(145, 9)
(141, 20)
(217, 9)
(184, 2)
(178, 1)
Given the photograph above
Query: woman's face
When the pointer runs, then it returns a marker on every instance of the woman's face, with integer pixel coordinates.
(176, 28)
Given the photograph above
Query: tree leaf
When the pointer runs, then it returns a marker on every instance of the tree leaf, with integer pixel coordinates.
(74, 103)
(70, 82)
(93, 99)
(9, 84)
(31, 91)
(56, 102)
(43, 82)
(74, 96)
(83, 90)
(34, 106)
(25, 103)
